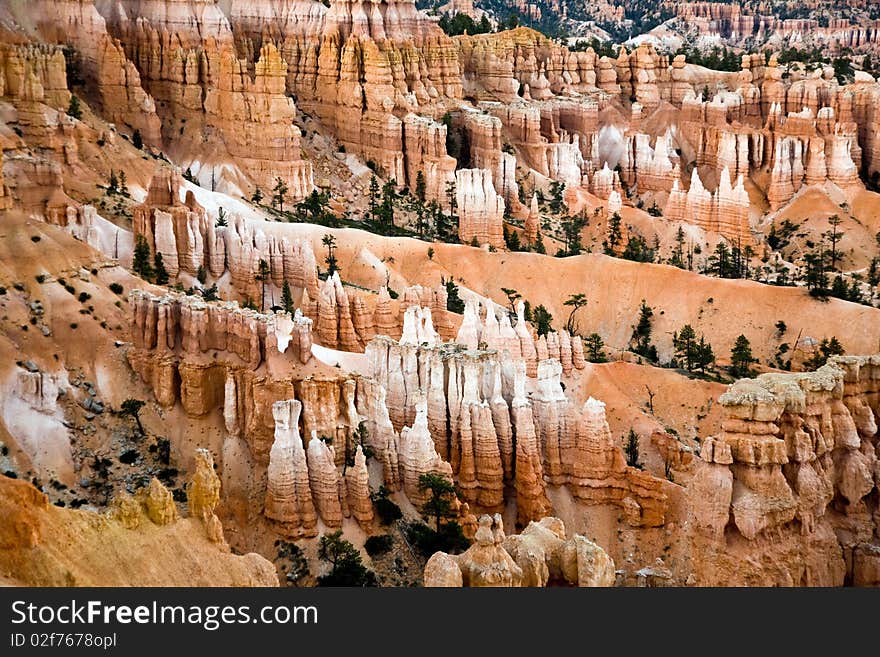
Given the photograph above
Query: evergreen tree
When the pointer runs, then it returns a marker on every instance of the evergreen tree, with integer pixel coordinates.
(221, 218)
(575, 302)
(257, 196)
(113, 184)
(594, 345)
(140, 263)
(346, 566)
(262, 275)
(454, 303)
(161, 272)
(557, 196)
(332, 265)
(815, 275)
(631, 449)
(211, 294)
(641, 337)
(827, 348)
(542, 319)
(571, 231)
(74, 109)
(705, 357)
(614, 235)
(132, 408)
(741, 356)
(685, 344)
(373, 197)
(123, 184)
(137, 140)
(279, 193)
(834, 236)
(442, 496)
(839, 288)
(287, 298)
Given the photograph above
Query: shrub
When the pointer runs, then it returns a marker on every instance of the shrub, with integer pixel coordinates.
(450, 538)
(128, 457)
(116, 288)
(376, 545)
(387, 510)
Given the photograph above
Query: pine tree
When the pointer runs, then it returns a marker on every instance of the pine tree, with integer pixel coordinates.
(374, 198)
(221, 218)
(704, 354)
(641, 336)
(123, 184)
(287, 298)
(575, 302)
(332, 265)
(74, 109)
(257, 196)
(137, 140)
(741, 356)
(113, 184)
(685, 343)
(161, 272)
(614, 235)
(140, 263)
(279, 193)
(834, 236)
(262, 275)
(631, 449)
(542, 320)
(594, 345)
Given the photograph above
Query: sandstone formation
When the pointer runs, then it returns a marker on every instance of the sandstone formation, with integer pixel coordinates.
(795, 461)
(480, 208)
(44, 545)
(538, 556)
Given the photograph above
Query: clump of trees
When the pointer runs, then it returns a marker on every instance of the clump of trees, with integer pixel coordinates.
(692, 353)
(346, 565)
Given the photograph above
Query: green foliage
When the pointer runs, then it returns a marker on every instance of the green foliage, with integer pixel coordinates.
(612, 241)
(279, 193)
(427, 541)
(441, 498)
(74, 109)
(346, 566)
(827, 348)
(387, 510)
(116, 288)
(594, 344)
(575, 302)
(637, 249)
(140, 263)
(329, 241)
(511, 240)
(571, 233)
(287, 298)
(453, 301)
(257, 196)
(464, 24)
(378, 545)
(160, 271)
(741, 356)
(137, 140)
(542, 320)
(132, 408)
(221, 218)
(631, 449)
(202, 273)
(297, 566)
(641, 337)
